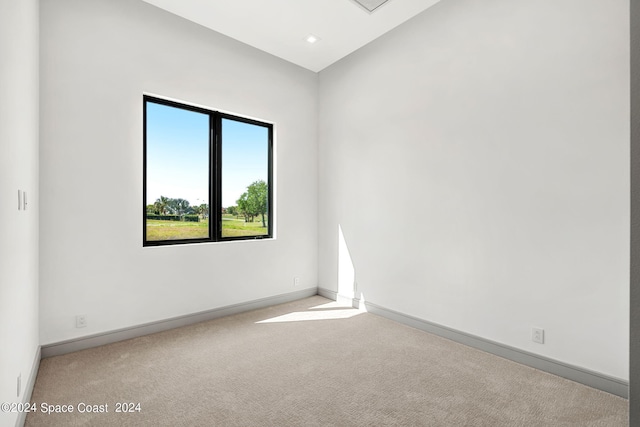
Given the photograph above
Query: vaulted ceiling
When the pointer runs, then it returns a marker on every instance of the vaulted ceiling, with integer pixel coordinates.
(281, 27)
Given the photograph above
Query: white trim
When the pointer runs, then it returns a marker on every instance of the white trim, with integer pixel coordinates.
(28, 389)
(584, 376)
(90, 341)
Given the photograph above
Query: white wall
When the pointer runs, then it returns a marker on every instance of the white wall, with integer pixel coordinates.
(18, 170)
(98, 58)
(634, 299)
(476, 160)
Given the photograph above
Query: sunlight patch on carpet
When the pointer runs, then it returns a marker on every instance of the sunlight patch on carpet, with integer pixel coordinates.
(301, 316)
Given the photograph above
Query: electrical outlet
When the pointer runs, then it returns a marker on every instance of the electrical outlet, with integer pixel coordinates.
(19, 384)
(537, 335)
(296, 281)
(81, 321)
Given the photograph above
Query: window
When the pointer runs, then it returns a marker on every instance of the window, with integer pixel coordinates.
(207, 175)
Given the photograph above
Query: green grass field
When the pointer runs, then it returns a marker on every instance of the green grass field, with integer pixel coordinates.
(172, 230)
(232, 227)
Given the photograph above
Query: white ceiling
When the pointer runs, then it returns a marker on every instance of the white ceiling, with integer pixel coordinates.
(280, 27)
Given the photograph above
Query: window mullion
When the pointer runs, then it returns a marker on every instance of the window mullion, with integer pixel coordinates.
(216, 175)
(213, 218)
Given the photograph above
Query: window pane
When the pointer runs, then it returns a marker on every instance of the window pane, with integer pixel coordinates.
(177, 167)
(245, 179)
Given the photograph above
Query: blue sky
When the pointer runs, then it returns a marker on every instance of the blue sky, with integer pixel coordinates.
(178, 155)
(244, 158)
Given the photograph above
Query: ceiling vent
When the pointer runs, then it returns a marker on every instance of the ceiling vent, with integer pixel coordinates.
(370, 5)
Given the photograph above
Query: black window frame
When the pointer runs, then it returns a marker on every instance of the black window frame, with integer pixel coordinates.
(215, 175)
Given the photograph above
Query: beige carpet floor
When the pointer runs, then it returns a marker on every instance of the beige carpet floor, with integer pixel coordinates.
(310, 363)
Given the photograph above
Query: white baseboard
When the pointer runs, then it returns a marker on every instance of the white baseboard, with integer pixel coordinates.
(584, 376)
(96, 340)
(28, 389)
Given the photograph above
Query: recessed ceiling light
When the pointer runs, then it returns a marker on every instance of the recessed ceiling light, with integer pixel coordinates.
(370, 5)
(312, 39)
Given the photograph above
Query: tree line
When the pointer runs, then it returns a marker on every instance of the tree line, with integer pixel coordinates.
(168, 206)
(250, 205)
